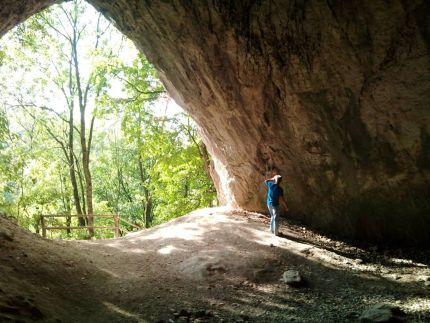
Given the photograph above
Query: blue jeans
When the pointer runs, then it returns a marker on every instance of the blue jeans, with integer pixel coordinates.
(274, 219)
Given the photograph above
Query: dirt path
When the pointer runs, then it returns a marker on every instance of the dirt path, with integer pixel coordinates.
(213, 265)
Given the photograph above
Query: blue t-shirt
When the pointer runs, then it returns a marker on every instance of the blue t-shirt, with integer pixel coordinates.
(273, 193)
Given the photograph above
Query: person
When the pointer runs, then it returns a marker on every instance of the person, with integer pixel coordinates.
(275, 194)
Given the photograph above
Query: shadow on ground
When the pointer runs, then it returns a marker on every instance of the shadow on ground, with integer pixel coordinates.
(210, 266)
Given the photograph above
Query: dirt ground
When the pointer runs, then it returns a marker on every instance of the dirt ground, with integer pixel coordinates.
(213, 265)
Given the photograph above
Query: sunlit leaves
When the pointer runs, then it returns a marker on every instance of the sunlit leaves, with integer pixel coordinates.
(143, 162)
(2, 57)
(3, 128)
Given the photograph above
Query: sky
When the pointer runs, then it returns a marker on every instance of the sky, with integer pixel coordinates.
(15, 79)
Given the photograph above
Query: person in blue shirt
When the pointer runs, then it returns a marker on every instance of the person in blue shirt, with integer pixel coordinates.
(275, 194)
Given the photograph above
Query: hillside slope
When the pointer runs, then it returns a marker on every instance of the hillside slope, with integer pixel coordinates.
(212, 265)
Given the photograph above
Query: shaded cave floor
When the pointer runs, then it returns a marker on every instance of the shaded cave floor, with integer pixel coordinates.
(213, 265)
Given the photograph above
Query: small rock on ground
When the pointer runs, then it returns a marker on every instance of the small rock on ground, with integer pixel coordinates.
(382, 312)
(292, 278)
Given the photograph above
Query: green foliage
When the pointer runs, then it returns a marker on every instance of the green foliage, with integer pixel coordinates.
(3, 128)
(2, 57)
(182, 184)
(146, 166)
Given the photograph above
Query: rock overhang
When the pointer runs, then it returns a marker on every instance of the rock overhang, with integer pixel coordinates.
(333, 95)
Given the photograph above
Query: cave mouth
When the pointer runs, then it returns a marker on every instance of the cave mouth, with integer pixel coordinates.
(99, 147)
(332, 96)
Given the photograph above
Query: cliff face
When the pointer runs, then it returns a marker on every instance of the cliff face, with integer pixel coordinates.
(13, 12)
(334, 95)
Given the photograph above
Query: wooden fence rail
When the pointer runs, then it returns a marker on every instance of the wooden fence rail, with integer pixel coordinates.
(115, 217)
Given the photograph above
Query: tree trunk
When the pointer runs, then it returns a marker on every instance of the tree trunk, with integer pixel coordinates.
(147, 201)
(81, 187)
(85, 148)
(72, 171)
(88, 179)
(148, 209)
(66, 202)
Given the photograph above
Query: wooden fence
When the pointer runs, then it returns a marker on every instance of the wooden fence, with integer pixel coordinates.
(115, 217)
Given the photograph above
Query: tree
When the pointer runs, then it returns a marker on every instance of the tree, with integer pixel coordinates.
(170, 154)
(59, 130)
(64, 29)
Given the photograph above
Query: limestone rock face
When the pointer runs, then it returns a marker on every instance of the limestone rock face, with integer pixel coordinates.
(13, 12)
(334, 95)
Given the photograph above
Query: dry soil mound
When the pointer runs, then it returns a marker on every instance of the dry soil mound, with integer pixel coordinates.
(212, 265)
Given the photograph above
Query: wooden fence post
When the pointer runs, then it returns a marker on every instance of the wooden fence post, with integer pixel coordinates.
(90, 225)
(42, 221)
(116, 222)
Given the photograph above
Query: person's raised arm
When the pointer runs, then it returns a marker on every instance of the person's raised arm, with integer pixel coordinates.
(272, 179)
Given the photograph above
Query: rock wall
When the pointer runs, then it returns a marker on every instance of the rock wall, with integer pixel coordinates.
(334, 95)
(12, 12)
